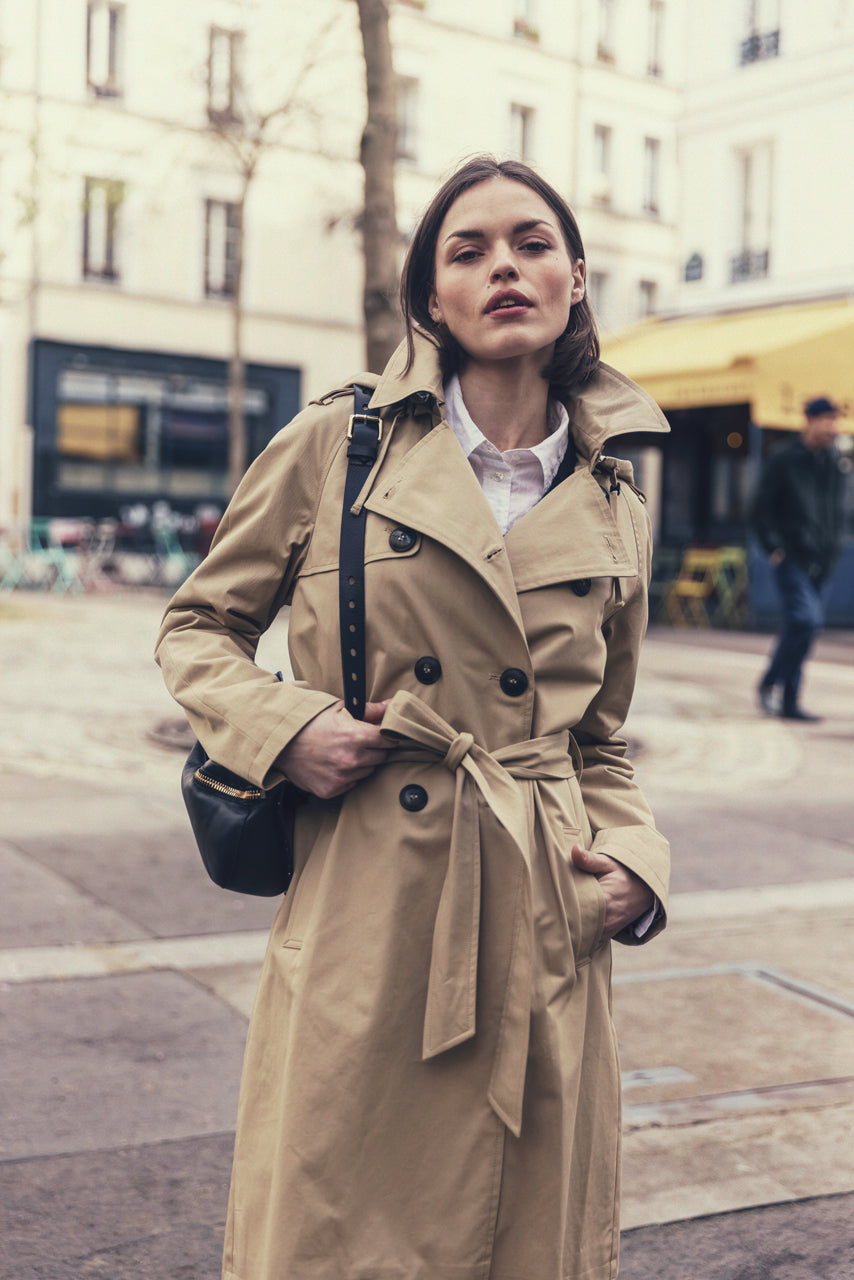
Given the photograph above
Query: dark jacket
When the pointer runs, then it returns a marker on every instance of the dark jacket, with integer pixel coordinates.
(797, 506)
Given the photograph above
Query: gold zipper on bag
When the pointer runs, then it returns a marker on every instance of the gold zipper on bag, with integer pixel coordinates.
(254, 793)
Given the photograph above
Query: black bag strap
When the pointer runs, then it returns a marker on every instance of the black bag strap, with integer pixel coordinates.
(364, 434)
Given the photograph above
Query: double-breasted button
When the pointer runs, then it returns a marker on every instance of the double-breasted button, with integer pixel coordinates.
(513, 682)
(428, 670)
(401, 539)
(581, 586)
(413, 797)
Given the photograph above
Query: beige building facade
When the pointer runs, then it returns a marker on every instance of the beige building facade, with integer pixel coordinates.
(119, 189)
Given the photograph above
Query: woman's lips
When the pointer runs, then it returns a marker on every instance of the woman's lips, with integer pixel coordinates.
(507, 302)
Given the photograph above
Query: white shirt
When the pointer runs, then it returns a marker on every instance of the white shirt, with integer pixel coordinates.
(514, 481)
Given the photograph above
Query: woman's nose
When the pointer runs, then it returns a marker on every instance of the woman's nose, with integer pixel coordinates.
(504, 268)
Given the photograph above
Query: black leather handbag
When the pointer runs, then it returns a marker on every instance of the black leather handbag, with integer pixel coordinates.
(245, 834)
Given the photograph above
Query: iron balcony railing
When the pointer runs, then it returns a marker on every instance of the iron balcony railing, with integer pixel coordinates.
(750, 264)
(759, 45)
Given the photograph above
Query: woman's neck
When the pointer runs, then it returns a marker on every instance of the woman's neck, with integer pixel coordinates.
(508, 401)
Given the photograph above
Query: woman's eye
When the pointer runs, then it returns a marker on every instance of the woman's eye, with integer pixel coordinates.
(536, 246)
(465, 255)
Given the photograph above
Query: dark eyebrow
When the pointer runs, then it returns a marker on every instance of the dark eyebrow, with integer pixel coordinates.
(520, 228)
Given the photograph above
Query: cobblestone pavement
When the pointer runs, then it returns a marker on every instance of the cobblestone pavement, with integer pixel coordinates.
(126, 978)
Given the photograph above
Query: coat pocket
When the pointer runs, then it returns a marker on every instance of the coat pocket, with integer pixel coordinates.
(584, 902)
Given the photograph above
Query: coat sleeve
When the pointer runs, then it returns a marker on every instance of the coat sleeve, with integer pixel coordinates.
(244, 716)
(621, 820)
(765, 508)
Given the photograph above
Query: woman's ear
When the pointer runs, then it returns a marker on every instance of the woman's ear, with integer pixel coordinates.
(434, 308)
(578, 285)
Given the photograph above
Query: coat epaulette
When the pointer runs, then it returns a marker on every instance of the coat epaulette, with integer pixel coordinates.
(619, 471)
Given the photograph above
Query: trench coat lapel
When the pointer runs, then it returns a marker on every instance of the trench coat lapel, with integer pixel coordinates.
(434, 490)
(570, 534)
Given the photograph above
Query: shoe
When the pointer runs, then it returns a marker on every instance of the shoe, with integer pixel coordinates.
(767, 702)
(796, 713)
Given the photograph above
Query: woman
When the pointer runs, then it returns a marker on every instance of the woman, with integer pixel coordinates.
(431, 1085)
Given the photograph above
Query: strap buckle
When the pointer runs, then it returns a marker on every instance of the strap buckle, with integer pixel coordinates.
(365, 418)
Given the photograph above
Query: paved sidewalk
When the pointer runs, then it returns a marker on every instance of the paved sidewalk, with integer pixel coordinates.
(126, 978)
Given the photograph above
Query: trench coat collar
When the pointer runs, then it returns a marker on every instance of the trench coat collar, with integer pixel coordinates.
(435, 479)
(609, 405)
(423, 380)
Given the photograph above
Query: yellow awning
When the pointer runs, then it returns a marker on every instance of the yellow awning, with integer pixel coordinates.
(774, 359)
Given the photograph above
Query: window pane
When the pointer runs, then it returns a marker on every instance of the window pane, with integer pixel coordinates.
(602, 149)
(222, 72)
(521, 132)
(103, 34)
(407, 119)
(216, 239)
(101, 431)
(656, 32)
(98, 222)
(652, 150)
(99, 44)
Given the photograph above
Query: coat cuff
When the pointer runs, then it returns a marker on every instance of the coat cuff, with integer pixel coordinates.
(645, 852)
(303, 706)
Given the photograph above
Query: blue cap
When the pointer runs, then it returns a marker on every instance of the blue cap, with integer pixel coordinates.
(819, 407)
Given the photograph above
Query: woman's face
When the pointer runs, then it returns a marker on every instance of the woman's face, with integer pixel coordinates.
(504, 280)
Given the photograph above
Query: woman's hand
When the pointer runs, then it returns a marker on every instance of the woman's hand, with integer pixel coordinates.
(333, 751)
(627, 898)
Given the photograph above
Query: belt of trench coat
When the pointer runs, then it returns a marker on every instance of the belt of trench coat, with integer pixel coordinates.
(452, 987)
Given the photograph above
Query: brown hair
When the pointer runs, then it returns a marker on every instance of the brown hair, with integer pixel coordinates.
(576, 353)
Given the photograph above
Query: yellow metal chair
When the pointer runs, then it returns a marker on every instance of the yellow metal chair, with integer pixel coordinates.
(710, 588)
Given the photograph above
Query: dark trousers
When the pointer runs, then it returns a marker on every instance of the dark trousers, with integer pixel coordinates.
(803, 618)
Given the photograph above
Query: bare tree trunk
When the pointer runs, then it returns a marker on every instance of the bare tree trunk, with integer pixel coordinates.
(238, 445)
(379, 220)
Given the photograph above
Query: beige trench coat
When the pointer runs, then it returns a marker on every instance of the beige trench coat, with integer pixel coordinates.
(431, 1084)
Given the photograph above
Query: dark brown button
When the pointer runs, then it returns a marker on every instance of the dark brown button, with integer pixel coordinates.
(513, 682)
(401, 539)
(428, 670)
(582, 586)
(413, 797)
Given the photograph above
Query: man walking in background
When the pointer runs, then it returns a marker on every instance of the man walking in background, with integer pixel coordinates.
(797, 516)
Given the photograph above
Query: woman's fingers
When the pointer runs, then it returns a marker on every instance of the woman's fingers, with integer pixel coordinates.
(626, 895)
(333, 751)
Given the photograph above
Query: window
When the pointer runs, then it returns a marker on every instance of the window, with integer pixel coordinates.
(763, 31)
(222, 248)
(408, 94)
(656, 37)
(103, 36)
(753, 169)
(694, 267)
(651, 175)
(521, 132)
(605, 31)
(601, 187)
(647, 298)
(101, 203)
(597, 290)
(525, 23)
(224, 75)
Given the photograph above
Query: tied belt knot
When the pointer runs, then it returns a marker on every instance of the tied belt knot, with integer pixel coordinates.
(458, 750)
(503, 780)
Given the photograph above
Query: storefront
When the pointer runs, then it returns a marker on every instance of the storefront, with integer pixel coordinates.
(732, 386)
(116, 429)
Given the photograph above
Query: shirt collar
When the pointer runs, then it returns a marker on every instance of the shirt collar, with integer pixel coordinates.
(548, 452)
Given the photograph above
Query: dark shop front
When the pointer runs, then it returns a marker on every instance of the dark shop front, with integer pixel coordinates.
(732, 387)
(116, 429)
